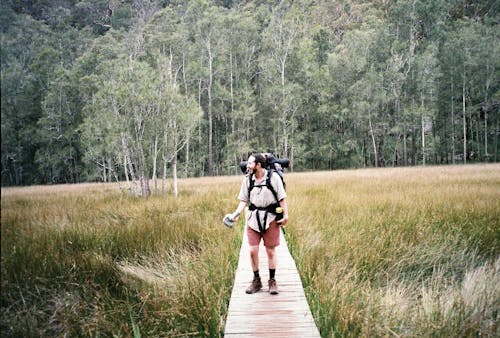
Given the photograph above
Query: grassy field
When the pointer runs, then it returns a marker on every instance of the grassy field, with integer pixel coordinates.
(400, 252)
(406, 252)
(84, 260)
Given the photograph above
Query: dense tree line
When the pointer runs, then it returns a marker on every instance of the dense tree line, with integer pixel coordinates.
(137, 90)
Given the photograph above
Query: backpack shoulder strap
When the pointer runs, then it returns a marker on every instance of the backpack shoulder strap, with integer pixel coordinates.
(270, 173)
(251, 183)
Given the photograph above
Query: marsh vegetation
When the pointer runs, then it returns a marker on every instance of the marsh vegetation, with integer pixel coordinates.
(406, 252)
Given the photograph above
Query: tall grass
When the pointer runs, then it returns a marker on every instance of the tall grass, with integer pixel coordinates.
(400, 252)
(391, 252)
(85, 260)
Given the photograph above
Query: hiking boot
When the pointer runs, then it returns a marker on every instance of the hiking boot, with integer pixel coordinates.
(255, 286)
(273, 288)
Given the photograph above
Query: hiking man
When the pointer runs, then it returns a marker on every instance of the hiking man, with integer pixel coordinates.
(263, 189)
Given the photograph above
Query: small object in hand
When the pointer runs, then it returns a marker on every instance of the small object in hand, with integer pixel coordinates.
(228, 221)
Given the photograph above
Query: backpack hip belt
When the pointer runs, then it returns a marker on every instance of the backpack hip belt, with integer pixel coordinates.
(269, 209)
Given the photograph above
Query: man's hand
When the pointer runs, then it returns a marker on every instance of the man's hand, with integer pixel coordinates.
(283, 221)
(284, 206)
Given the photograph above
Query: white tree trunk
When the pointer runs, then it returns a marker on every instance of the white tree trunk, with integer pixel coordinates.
(125, 151)
(453, 156)
(210, 117)
(423, 139)
(186, 164)
(164, 157)
(486, 89)
(375, 153)
(104, 173)
(405, 146)
(174, 174)
(464, 119)
(155, 160)
(423, 130)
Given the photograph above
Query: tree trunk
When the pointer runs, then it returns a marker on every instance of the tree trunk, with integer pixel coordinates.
(453, 155)
(413, 133)
(174, 174)
(364, 152)
(217, 148)
(126, 169)
(231, 80)
(186, 163)
(395, 155)
(110, 169)
(117, 181)
(164, 174)
(283, 100)
(486, 155)
(155, 160)
(210, 114)
(423, 130)
(135, 189)
(478, 143)
(497, 131)
(104, 173)
(184, 73)
(143, 178)
(375, 153)
(434, 150)
(486, 110)
(464, 119)
(405, 146)
(413, 145)
(397, 106)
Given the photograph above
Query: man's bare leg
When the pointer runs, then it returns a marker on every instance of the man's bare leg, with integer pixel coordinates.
(254, 260)
(271, 258)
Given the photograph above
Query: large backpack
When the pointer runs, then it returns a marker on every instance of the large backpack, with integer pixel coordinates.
(270, 172)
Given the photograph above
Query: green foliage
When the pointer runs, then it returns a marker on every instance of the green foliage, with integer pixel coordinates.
(330, 85)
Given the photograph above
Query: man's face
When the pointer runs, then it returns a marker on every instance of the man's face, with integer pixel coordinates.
(251, 164)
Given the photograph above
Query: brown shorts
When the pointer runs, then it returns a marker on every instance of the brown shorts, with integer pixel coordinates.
(271, 236)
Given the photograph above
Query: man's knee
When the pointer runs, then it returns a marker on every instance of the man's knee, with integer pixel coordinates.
(270, 252)
(254, 250)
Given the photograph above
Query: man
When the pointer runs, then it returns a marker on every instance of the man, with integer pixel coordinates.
(261, 220)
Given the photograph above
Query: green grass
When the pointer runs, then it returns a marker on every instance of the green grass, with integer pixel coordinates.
(409, 252)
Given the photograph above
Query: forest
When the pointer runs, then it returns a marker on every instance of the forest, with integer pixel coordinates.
(146, 91)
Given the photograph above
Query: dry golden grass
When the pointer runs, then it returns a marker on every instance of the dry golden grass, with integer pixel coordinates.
(87, 260)
(394, 251)
(382, 252)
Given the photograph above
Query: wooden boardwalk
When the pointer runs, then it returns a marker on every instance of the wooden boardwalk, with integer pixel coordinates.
(262, 314)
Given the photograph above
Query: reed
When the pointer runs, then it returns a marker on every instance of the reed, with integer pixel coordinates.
(85, 260)
(406, 252)
(399, 252)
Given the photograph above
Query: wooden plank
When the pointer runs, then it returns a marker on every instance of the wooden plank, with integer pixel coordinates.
(262, 314)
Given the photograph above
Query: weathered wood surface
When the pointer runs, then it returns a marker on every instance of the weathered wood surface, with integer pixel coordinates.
(262, 314)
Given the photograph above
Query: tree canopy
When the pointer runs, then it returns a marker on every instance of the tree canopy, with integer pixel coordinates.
(133, 91)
